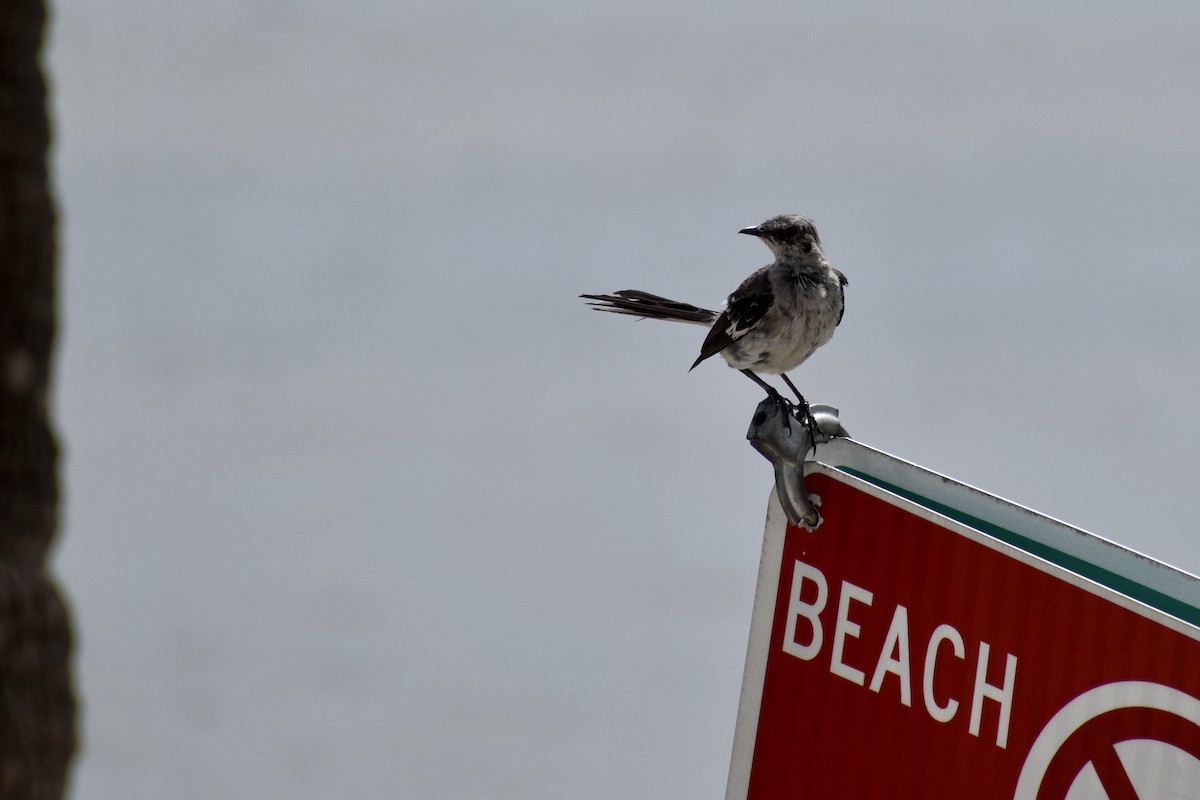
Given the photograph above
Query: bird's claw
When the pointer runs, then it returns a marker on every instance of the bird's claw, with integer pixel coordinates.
(800, 412)
(805, 416)
(785, 406)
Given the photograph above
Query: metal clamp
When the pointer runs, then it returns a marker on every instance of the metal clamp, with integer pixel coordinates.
(785, 441)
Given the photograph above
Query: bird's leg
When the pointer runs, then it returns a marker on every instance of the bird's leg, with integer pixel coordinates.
(803, 410)
(773, 393)
(795, 391)
(770, 390)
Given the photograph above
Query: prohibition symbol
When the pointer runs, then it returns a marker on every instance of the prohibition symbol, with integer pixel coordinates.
(1129, 740)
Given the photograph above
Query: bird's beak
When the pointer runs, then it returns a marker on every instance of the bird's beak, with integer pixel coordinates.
(754, 230)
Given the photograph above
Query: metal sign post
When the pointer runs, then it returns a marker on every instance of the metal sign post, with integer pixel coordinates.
(928, 639)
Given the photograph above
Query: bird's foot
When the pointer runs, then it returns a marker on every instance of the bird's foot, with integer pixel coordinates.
(786, 407)
(800, 412)
(804, 414)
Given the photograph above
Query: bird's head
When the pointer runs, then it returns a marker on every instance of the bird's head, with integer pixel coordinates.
(788, 235)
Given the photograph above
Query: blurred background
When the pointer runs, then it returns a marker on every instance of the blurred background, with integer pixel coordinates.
(362, 500)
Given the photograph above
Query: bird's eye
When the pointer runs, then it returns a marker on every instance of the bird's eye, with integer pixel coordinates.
(788, 234)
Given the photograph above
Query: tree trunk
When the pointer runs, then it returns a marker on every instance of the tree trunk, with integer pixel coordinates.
(37, 705)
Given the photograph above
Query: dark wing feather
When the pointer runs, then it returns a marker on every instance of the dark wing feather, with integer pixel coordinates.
(748, 304)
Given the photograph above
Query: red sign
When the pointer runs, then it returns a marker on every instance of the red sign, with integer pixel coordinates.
(909, 656)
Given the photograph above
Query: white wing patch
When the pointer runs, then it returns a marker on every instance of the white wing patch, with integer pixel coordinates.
(734, 332)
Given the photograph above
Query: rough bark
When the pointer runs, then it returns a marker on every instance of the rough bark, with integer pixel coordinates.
(37, 705)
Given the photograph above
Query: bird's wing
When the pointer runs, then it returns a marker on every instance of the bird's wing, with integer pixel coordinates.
(748, 304)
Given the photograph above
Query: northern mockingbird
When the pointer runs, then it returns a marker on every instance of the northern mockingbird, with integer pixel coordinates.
(771, 323)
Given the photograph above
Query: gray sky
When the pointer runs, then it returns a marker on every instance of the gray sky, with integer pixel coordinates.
(362, 500)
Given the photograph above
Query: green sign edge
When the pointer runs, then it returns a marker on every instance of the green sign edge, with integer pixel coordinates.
(1118, 583)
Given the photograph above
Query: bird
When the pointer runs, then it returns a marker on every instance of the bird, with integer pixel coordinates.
(773, 321)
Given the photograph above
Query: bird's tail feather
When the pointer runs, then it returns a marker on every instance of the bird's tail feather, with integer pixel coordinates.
(650, 306)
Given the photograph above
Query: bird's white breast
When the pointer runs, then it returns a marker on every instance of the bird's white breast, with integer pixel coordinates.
(801, 320)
